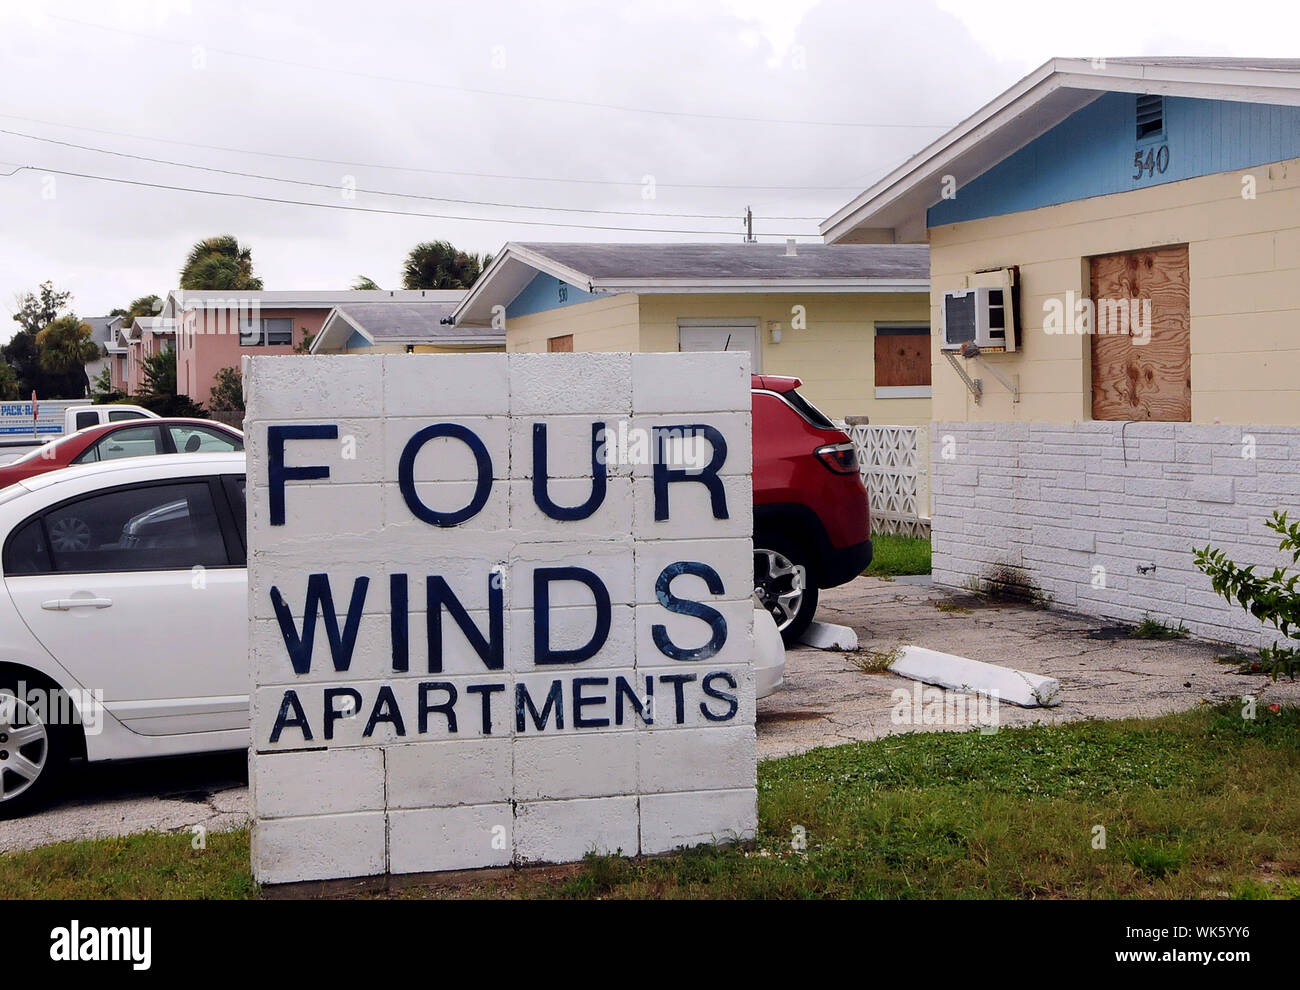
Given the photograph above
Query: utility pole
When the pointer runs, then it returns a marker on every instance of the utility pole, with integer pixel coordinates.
(749, 225)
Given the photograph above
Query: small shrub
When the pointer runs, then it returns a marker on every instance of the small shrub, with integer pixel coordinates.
(1152, 628)
(228, 393)
(876, 661)
(1272, 599)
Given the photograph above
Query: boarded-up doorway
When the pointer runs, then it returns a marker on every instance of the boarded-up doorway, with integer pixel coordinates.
(560, 345)
(1141, 344)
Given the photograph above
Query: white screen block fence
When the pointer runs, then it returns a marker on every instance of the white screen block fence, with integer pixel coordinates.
(895, 462)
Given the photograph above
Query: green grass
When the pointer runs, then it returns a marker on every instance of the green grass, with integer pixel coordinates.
(1196, 805)
(875, 661)
(895, 555)
(149, 866)
(1152, 628)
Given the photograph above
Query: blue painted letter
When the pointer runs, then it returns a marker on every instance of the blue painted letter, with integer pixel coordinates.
(717, 622)
(406, 474)
(540, 494)
(707, 476)
(277, 474)
(542, 578)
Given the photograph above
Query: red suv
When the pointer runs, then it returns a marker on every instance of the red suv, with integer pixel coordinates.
(812, 522)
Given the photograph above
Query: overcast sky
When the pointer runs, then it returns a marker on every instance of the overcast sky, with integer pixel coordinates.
(565, 104)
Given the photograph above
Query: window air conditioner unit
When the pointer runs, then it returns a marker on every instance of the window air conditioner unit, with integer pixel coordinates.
(982, 315)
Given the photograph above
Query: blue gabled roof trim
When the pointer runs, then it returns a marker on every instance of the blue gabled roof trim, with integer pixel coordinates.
(546, 292)
(1091, 153)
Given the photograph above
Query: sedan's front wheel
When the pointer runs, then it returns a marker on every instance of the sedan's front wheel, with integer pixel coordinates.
(31, 752)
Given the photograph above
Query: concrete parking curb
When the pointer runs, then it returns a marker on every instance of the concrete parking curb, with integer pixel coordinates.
(1017, 687)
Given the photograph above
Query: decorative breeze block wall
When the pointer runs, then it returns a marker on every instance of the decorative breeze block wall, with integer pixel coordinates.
(479, 638)
(1076, 508)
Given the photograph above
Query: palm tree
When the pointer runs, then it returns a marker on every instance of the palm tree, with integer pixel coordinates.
(364, 282)
(66, 346)
(219, 263)
(144, 306)
(141, 306)
(439, 265)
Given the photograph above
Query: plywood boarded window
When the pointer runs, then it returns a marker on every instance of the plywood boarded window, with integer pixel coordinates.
(1141, 341)
(560, 345)
(902, 362)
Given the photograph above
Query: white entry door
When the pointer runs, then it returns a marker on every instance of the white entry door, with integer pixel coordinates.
(742, 337)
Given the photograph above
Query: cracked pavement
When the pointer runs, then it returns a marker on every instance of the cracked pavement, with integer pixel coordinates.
(826, 701)
(1104, 674)
(166, 795)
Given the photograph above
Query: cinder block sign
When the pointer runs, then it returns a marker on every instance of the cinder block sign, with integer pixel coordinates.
(500, 609)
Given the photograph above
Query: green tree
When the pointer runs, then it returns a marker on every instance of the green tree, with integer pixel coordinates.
(66, 346)
(364, 282)
(440, 265)
(101, 386)
(37, 310)
(141, 306)
(1272, 598)
(33, 312)
(160, 373)
(158, 394)
(8, 381)
(228, 393)
(219, 263)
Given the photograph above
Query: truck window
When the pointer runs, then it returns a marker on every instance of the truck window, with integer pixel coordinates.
(117, 415)
(87, 418)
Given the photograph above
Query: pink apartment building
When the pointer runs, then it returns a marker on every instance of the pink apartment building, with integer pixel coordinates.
(214, 330)
(147, 335)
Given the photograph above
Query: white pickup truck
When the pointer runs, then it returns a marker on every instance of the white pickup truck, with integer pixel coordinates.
(24, 425)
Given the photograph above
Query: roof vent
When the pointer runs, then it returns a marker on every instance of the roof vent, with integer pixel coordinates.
(790, 252)
(1150, 116)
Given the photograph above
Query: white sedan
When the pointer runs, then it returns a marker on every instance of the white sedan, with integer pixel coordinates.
(124, 633)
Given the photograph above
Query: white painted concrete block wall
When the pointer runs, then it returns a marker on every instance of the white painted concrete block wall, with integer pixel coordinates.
(1057, 500)
(358, 804)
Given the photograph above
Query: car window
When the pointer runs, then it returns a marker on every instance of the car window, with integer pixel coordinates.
(131, 441)
(238, 504)
(144, 528)
(85, 419)
(118, 415)
(808, 411)
(27, 552)
(189, 439)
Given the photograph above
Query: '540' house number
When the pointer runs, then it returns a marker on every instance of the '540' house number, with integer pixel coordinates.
(1156, 160)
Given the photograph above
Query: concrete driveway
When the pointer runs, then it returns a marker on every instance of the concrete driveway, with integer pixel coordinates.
(1104, 673)
(826, 701)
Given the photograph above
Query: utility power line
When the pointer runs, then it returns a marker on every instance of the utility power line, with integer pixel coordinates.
(853, 187)
(380, 192)
(372, 209)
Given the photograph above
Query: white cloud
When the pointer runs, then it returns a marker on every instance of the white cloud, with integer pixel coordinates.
(858, 62)
(1029, 33)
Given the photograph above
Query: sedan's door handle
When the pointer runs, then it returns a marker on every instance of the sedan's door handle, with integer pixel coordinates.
(63, 604)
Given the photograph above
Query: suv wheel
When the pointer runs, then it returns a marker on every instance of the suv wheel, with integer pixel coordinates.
(783, 585)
